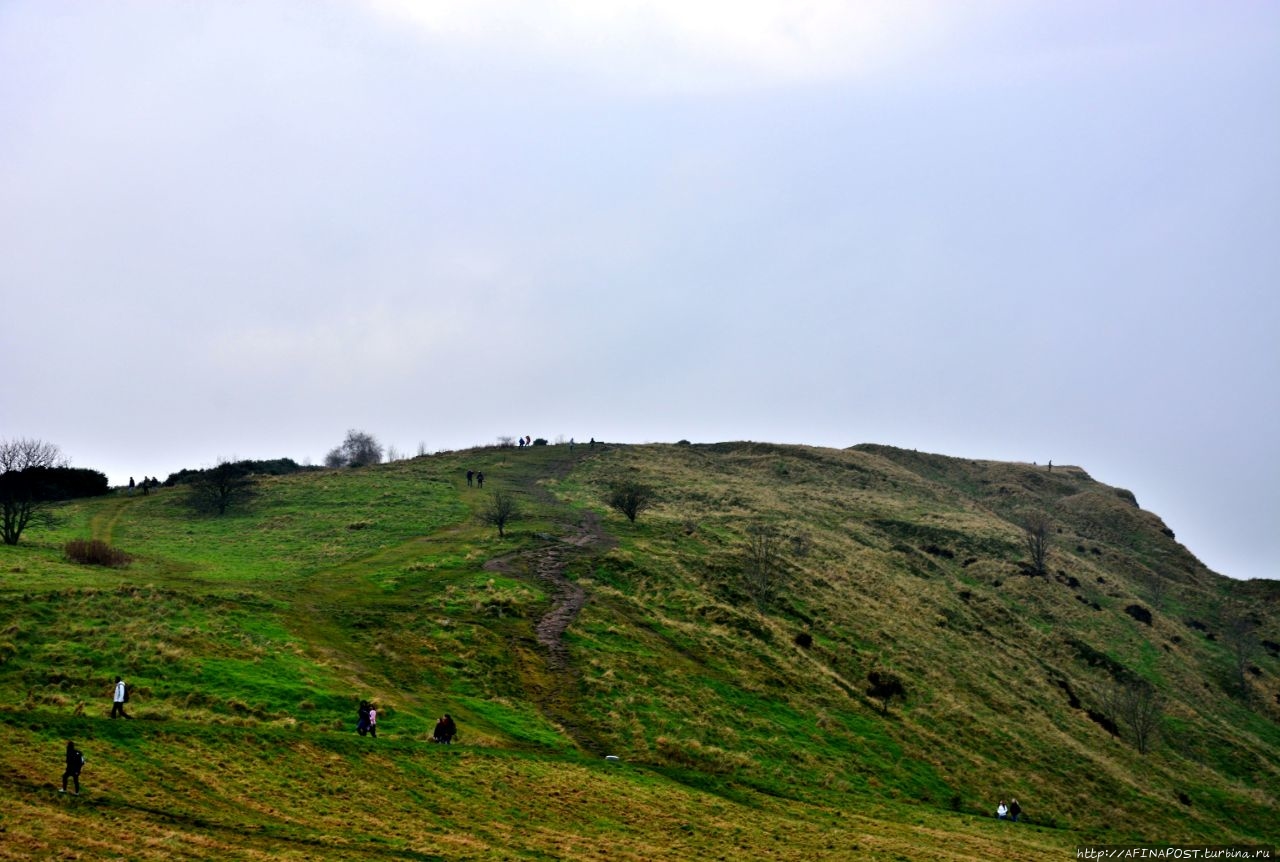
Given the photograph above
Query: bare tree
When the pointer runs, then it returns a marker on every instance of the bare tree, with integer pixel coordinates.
(1135, 705)
(1241, 637)
(23, 500)
(359, 449)
(1157, 586)
(221, 487)
(500, 510)
(631, 498)
(1035, 530)
(762, 568)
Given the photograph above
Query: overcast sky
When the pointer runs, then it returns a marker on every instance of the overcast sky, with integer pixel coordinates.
(1009, 230)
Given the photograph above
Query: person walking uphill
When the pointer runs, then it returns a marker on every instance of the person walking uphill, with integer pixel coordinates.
(75, 762)
(119, 698)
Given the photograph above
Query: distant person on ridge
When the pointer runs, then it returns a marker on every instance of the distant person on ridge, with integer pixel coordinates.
(118, 699)
(480, 479)
(1001, 810)
(373, 721)
(362, 718)
(471, 474)
(1015, 811)
(130, 486)
(75, 762)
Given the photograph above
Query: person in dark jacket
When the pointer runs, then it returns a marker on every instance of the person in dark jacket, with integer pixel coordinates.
(75, 762)
(445, 730)
(1015, 811)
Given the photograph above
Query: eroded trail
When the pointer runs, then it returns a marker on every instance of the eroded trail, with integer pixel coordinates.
(548, 672)
(567, 597)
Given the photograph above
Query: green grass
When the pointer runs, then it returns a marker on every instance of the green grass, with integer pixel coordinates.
(250, 638)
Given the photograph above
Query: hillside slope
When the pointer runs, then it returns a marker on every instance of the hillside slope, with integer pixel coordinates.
(740, 715)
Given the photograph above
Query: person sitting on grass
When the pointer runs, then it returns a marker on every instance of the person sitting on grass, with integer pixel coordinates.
(445, 730)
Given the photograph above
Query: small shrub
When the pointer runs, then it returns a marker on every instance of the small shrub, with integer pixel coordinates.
(804, 640)
(801, 544)
(885, 686)
(1139, 613)
(95, 552)
(1104, 722)
(631, 498)
(541, 441)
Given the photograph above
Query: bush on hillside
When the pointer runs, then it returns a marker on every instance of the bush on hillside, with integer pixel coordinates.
(885, 686)
(94, 552)
(1139, 613)
(219, 488)
(27, 493)
(273, 467)
(61, 483)
(631, 498)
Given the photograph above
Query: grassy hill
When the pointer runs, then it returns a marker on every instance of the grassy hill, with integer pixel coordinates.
(740, 717)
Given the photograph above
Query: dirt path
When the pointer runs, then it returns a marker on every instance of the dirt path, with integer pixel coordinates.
(102, 526)
(567, 597)
(554, 684)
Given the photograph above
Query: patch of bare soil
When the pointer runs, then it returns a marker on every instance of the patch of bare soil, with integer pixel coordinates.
(554, 684)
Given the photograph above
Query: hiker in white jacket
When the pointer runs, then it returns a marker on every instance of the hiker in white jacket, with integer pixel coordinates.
(118, 699)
